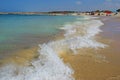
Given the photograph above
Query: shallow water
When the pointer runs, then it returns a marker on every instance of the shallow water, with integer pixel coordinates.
(84, 52)
(89, 67)
(79, 33)
(18, 32)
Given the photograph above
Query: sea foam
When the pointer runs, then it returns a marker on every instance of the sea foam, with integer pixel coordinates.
(49, 66)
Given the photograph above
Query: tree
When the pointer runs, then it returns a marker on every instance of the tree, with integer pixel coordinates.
(118, 10)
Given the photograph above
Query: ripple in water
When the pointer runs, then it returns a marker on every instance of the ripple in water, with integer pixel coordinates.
(49, 66)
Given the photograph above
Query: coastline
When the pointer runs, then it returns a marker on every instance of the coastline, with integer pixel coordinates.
(87, 67)
(23, 57)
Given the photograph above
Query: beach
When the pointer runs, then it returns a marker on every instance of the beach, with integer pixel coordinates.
(87, 68)
(66, 58)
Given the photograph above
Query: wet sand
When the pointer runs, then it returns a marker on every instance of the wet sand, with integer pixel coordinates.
(89, 66)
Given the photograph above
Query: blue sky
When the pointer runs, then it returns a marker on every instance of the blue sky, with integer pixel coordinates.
(53, 5)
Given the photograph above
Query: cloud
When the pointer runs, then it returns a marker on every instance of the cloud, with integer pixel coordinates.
(78, 2)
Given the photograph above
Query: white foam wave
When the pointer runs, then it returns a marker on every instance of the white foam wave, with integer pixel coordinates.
(47, 67)
(79, 34)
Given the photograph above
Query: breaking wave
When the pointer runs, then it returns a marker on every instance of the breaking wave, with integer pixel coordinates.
(49, 66)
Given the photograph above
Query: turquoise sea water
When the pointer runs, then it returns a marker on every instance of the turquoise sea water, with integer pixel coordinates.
(22, 31)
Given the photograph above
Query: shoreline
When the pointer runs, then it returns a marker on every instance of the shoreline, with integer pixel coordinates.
(24, 56)
(87, 67)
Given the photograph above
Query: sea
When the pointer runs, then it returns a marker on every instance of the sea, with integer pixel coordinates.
(24, 31)
(20, 32)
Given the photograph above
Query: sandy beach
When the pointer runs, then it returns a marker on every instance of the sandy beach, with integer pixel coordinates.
(59, 40)
(87, 67)
(88, 64)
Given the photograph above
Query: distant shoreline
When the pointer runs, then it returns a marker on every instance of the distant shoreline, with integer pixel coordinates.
(72, 13)
(39, 13)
